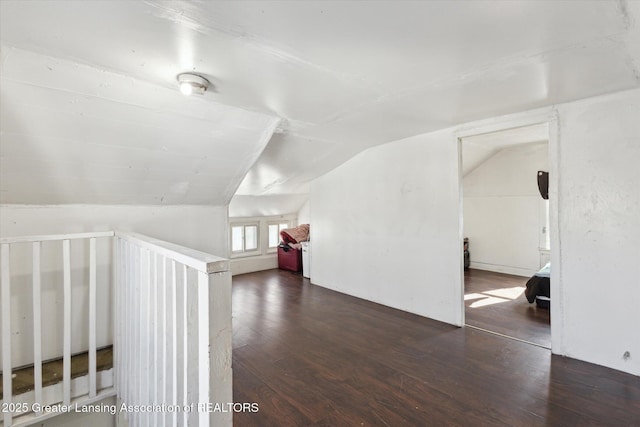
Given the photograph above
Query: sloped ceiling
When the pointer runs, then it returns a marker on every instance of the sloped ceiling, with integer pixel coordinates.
(477, 149)
(340, 76)
(75, 134)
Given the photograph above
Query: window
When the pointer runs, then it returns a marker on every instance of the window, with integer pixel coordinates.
(544, 241)
(244, 238)
(547, 235)
(274, 233)
(256, 236)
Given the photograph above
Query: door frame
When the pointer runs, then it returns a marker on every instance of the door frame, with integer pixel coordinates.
(547, 115)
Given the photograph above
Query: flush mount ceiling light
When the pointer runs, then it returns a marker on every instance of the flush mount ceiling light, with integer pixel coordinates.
(192, 83)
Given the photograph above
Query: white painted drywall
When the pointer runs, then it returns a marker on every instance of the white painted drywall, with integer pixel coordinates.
(599, 220)
(304, 214)
(386, 227)
(99, 137)
(198, 227)
(243, 206)
(255, 263)
(503, 212)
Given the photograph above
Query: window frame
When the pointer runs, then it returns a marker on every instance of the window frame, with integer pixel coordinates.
(547, 225)
(244, 251)
(271, 249)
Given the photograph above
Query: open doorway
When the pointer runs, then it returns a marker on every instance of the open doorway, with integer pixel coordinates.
(506, 222)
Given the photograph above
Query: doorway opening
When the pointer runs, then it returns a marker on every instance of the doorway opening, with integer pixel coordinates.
(506, 226)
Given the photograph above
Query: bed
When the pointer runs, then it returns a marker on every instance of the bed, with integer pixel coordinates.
(538, 287)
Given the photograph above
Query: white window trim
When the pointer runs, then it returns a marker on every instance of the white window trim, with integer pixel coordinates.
(274, 249)
(244, 252)
(547, 225)
(263, 234)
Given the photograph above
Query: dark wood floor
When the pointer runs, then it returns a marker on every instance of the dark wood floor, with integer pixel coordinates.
(314, 357)
(496, 302)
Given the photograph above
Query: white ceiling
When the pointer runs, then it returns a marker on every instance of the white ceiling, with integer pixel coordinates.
(91, 112)
(477, 149)
(244, 206)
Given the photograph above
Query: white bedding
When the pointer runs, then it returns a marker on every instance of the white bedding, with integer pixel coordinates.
(544, 271)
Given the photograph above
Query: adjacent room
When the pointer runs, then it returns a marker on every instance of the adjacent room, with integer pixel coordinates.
(269, 213)
(506, 229)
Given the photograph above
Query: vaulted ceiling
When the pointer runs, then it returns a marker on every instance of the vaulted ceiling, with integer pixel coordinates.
(91, 113)
(477, 149)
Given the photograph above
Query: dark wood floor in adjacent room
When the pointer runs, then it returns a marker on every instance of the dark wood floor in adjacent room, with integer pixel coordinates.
(310, 356)
(496, 302)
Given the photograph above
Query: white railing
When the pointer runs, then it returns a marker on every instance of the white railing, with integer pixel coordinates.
(27, 405)
(171, 329)
(173, 333)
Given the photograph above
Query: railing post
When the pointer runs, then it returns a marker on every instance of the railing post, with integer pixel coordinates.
(204, 327)
(174, 340)
(194, 371)
(155, 366)
(145, 326)
(5, 283)
(137, 321)
(66, 334)
(220, 378)
(37, 322)
(163, 341)
(117, 267)
(176, 326)
(184, 349)
(92, 318)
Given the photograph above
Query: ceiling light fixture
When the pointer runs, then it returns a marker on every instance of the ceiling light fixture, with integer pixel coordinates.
(192, 83)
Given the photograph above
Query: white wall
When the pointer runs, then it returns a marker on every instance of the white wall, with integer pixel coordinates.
(599, 220)
(243, 206)
(386, 227)
(503, 211)
(198, 227)
(253, 264)
(304, 214)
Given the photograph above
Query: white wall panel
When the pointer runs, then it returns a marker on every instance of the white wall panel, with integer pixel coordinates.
(503, 210)
(385, 227)
(197, 227)
(599, 197)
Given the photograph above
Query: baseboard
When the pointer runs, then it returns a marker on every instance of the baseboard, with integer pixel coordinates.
(516, 271)
(253, 264)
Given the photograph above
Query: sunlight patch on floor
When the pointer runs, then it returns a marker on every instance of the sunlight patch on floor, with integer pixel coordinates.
(494, 296)
(508, 293)
(488, 301)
